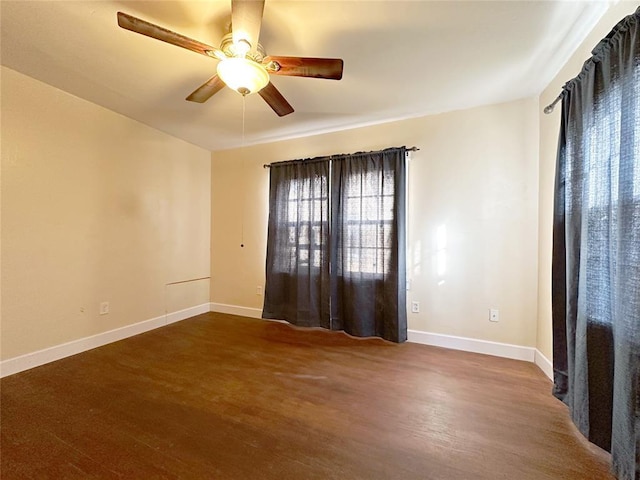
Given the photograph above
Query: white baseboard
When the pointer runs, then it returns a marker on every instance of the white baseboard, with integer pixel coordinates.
(235, 310)
(506, 350)
(497, 349)
(51, 354)
(544, 364)
(174, 317)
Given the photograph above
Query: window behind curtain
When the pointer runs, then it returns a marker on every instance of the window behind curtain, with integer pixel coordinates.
(297, 267)
(307, 212)
(369, 222)
(368, 281)
(596, 249)
(336, 244)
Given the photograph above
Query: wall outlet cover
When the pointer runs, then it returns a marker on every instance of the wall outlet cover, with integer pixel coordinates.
(104, 308)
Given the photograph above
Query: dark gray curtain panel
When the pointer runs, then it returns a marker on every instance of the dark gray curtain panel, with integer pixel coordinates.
(336, 244)
(368, 280)
(596, 249)
(297, 269)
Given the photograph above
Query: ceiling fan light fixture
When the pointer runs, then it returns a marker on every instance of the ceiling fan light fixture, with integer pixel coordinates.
(243, 75)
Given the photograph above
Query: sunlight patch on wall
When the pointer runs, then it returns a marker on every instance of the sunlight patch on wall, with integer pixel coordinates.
(416, 266)
(440, 256)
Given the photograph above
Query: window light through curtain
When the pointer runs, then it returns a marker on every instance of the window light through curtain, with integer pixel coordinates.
(336, 243)
(596, 249)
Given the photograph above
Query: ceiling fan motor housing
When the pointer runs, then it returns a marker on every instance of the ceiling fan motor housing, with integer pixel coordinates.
(230, 50)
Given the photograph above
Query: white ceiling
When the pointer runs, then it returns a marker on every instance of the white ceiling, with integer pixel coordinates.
(401, 59)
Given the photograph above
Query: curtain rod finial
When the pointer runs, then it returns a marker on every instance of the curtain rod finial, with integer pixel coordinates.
(549, 108)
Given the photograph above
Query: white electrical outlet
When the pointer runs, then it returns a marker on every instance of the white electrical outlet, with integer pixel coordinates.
(494, 315)
(104, 308)
(415, 307)
(259, 290)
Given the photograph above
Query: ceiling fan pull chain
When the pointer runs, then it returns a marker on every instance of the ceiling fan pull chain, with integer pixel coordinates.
(244, 99)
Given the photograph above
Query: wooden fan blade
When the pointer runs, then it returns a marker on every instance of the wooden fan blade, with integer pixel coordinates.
(246, 20)
(330, 68)
(206, 90)
(275, 100)
(143, 27)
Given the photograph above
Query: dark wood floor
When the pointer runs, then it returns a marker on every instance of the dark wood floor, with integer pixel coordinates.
(225, 397)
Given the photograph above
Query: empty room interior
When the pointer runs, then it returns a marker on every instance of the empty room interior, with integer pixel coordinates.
(320, 240)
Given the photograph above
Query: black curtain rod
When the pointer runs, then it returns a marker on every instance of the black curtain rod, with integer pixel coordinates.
(549, 108)
(602, 44)
(410, 149)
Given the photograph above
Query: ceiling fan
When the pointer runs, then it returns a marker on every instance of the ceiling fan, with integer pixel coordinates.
(243, 64)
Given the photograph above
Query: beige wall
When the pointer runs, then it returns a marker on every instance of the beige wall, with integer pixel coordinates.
(95, 207)
(476, 174)
(98, 207)
(549, 129)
